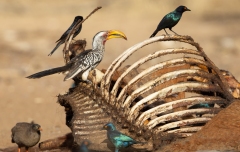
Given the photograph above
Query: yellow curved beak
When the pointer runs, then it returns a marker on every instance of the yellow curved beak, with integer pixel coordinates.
(116, 34)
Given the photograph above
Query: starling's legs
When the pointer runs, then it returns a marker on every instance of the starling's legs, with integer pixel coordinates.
(173, 31)
(19, 149)
(166, 32)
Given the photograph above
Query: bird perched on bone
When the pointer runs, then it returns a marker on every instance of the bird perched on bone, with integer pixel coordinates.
(86, 61)
(65, 34)
(170, 20)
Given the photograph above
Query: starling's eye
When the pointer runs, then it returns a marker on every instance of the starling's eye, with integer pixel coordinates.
(185, 8)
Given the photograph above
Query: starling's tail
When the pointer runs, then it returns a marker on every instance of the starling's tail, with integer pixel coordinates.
(58, 44)
(154, 33)
(48, 72)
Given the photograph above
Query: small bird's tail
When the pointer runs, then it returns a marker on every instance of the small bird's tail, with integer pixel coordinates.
(58, 44)
(154, 33)
(48, 72)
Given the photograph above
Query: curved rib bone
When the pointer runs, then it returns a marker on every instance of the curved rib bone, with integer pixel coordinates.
(181, 123)
(171, 90)
(159, 66)
(165, 77)
(185, 130)
(176, 104)
(117, 63)
(150, 57)
(184, 135)
(174, 115)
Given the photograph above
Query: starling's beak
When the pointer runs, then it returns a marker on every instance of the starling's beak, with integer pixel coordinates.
(104, 128)
(115, 34)
(40, 129)
(187, 9)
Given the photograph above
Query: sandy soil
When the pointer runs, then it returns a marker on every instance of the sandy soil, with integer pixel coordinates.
(29, 30)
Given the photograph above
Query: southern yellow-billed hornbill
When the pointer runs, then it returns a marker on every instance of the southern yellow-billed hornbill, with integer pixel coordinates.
(86, 60)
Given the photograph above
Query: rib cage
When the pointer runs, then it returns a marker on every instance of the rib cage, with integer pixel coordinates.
(150, 104)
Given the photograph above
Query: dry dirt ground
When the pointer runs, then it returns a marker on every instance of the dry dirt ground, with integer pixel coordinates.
(29, 30)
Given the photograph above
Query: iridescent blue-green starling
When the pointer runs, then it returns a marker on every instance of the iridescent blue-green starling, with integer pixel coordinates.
(170, 20)
(201, 105)
(118, 139)
(84, 146)
(65, 34)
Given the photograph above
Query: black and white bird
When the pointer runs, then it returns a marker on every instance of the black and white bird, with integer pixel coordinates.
(87, 60)
(65, 34)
